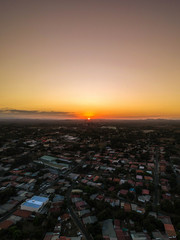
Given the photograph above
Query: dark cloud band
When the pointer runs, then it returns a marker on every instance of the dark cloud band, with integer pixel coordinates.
(30, 113)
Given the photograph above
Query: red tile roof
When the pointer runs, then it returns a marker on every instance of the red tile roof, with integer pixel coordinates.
(139, 184)
(96, 178)
(116, 180)
(123, 191)
(22, 213)
(127, 207)
(117, 223)
(148, 178)
(145, 192)
(170, 231)
(5, 224)
(65, 216)
(64, 238)
(100, 197)
(111, 189)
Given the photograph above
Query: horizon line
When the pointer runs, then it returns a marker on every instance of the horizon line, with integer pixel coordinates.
(92, 119)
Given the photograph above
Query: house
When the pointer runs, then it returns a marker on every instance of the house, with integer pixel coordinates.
(133, 207)
(65, 217)
(58, 198)
(80, 205)
(148, 178)
(5, 224)
(157, 235)
(51, 235)
(83, 212)
(96, 178)
(89, 220)
(139, 236)
(145, 192)
(123, 191)
(100, 197)
(22, 213)
(108, 231)
(170, 231)
(139, 177)
(127, 207)
(145, 198)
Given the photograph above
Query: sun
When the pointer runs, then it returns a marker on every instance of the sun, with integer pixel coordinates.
(88, 115)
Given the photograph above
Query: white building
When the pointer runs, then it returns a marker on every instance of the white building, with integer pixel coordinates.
(35, 204)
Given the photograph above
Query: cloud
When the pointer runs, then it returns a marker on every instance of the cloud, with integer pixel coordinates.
(13, 113)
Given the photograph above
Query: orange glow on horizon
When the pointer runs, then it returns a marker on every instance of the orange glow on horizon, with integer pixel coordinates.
(88, 115)
(90, 60)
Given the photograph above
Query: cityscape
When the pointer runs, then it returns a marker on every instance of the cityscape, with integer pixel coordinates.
(90, 120)
(90, 180)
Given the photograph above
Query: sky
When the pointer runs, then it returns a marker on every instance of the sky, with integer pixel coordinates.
(79, 58)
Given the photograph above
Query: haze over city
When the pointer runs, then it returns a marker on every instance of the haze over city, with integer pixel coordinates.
(90, 59)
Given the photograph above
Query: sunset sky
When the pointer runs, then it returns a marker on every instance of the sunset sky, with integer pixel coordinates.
(96, 58)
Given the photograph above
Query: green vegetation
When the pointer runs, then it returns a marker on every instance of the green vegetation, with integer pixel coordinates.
(6, 194)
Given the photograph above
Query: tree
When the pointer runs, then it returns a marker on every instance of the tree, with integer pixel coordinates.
(16, 233)
(125, 185)
(136, 217)
(106, 213)
(6, 194)
(120, 214)
(130, 196)
(38, 220)
(148, 225)
(167, 206)
(98, 237)
(178, 226)
(177, 206)
(138, 190)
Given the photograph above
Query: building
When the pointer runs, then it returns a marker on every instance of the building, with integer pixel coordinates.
(170, 231)
(108, 231)
(138, 236)
(35, 204)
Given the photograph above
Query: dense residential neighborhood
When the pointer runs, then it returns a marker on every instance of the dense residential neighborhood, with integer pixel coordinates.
(90, 180)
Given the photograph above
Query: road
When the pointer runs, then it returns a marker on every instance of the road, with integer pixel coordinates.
(8, 214)
(156, 178)
(74, 216)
